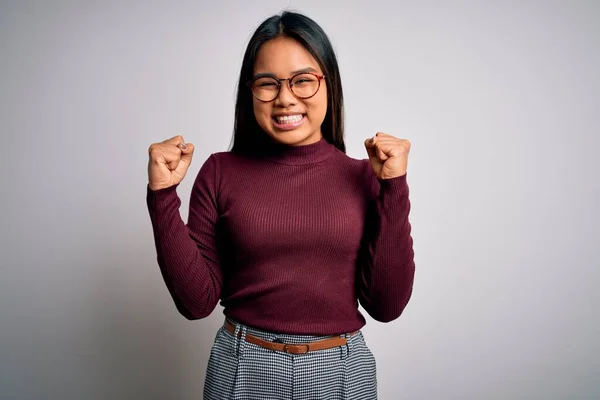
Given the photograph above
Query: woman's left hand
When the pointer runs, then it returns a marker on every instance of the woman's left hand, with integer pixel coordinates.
(388, 155)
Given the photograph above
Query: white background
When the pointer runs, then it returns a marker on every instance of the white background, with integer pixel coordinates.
(500, 100)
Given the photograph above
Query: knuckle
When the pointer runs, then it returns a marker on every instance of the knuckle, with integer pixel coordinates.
(154, 150)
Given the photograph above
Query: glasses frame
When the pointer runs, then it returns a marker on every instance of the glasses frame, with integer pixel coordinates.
(290, 85)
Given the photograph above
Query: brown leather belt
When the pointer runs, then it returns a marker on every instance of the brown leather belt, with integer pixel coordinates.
(291, 348)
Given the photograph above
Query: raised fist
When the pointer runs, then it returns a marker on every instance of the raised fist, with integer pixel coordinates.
(169, 162)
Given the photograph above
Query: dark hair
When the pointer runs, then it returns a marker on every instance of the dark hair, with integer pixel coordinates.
(248, 136)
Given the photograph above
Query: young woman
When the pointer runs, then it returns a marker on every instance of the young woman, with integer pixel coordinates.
(286, 230)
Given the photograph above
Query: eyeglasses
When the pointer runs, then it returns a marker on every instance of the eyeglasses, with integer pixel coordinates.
(304, 86)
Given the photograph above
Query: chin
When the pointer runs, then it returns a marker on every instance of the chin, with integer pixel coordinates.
(291, 138)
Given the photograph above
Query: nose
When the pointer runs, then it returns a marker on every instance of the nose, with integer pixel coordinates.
(285, 98)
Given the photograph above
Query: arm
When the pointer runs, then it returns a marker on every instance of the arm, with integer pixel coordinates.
(188, 255)
(386, 260)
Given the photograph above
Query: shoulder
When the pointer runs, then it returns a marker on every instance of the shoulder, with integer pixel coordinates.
(361, 172)
(229, 157)
(226, 168)
(220, 161)
(356, 164)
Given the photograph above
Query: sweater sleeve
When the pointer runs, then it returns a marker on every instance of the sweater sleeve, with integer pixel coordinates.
(187, 254)
(386, 259)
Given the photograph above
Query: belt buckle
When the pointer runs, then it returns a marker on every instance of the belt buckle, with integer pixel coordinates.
(295, 348)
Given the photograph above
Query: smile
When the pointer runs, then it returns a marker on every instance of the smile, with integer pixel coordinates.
(288, 122)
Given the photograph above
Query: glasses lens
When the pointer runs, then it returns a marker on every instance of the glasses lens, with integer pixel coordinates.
(305, 85)
(265, 89)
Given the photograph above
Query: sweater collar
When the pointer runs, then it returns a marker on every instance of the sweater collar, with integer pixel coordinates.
(299, 155)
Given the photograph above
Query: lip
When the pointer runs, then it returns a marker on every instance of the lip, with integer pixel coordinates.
(288, 126)
(283, 114)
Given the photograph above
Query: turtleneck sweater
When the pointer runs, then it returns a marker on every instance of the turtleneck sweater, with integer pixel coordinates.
(288, 242)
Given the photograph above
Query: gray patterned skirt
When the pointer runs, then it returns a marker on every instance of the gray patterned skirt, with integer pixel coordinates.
(240, 370)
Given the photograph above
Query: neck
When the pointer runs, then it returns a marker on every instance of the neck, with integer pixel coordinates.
(298, 155)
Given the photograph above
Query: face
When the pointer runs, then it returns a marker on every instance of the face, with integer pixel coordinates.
(288, 119)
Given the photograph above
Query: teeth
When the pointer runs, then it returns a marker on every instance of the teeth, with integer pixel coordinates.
(289, 119)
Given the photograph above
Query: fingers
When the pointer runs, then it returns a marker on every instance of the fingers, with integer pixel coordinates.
(187, 153)
(370, 146)
(167, 152)
(171, 152)
(175, 140)
(380, 145)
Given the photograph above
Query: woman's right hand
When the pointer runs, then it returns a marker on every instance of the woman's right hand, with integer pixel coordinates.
(169, 162)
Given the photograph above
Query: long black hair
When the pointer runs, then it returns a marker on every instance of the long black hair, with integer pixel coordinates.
(248, 136)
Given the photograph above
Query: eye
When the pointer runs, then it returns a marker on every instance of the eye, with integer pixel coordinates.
(265, 83)
(304, 79)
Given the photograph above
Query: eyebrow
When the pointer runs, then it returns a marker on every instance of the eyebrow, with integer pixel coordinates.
(271, 75)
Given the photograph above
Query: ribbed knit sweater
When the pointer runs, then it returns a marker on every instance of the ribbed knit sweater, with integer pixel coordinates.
(289, 242)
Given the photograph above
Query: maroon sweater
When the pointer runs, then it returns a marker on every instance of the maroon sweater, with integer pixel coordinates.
(289, 242)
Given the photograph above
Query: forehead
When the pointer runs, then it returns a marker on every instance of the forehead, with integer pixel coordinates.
(283, 55)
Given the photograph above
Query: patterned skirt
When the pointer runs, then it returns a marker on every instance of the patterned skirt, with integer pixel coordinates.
(240, 370)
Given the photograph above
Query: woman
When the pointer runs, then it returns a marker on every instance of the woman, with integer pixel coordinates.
(286, 230)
